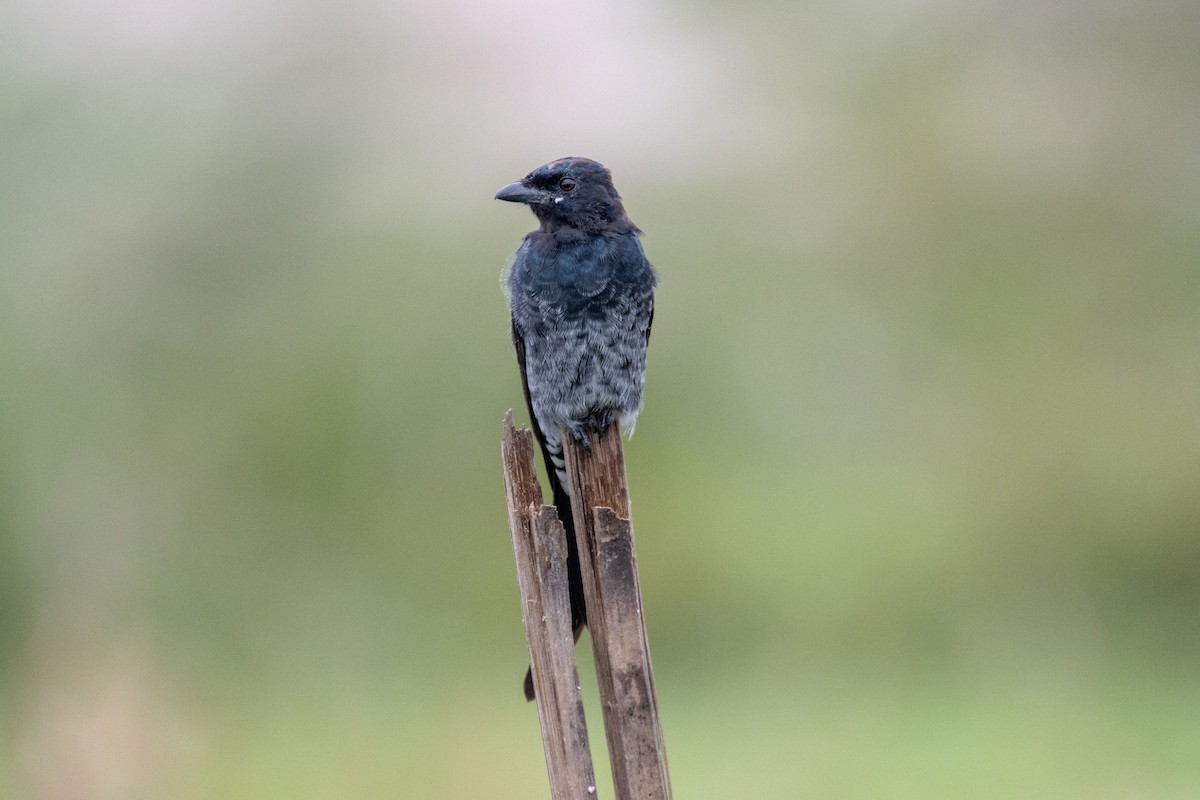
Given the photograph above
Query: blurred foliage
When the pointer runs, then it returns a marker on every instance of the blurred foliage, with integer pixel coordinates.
(916, 482)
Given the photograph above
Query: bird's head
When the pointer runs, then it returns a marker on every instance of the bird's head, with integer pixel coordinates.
(570, 192)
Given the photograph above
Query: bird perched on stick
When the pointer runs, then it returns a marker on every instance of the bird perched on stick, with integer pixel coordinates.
(582, 298)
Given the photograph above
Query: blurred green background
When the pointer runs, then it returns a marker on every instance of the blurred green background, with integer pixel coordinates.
(916, 488)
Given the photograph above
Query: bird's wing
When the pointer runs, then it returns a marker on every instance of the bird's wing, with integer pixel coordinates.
(561, 498)
(650, 322)
(519, 346)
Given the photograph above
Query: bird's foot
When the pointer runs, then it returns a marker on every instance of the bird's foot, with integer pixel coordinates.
(600, 420)
(597, 421)
(580, 433)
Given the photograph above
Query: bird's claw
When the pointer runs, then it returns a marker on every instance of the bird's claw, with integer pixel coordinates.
(580, 434)
(600, 420)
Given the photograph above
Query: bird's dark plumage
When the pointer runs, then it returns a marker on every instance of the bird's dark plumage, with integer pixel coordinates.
(581, 294)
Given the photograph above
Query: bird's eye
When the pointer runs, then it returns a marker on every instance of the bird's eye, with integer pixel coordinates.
(566, 184)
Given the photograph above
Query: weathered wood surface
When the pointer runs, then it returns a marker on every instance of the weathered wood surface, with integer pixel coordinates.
(604, 532)
(540, 549)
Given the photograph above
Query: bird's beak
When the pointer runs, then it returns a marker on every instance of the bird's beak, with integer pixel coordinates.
(518, 192)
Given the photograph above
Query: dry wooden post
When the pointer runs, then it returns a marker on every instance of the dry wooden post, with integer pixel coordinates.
(604, 532)
(540, 548)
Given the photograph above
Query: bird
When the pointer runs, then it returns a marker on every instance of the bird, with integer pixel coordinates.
(581, 294)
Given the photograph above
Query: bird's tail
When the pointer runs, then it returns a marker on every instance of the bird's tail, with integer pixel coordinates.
(562, 500)
(530, 694)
